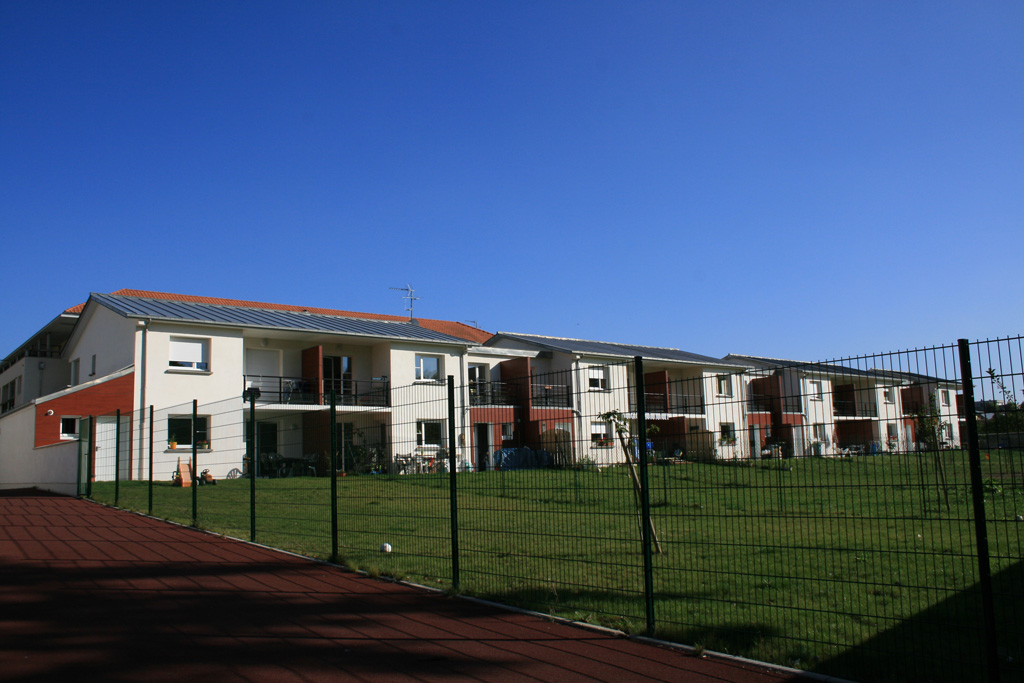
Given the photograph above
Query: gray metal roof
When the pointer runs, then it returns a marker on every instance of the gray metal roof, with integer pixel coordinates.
(834, 368)
(238, 316)
(599, 348)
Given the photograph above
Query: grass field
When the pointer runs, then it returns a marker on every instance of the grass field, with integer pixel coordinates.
(864, 568)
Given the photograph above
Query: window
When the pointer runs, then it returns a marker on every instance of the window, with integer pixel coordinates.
(477, 373)
(68, 428)
(887, 394)
(892, 431)
(9, 391)
(724, 385)
(74, 372)
(506, 431)
(944, 397)
(189, 354)
(728, 432)
(814, 389)
(428, 368)
(600, 434)
(598, 379)
(179, 430)
(819, 432)
(430, 433)
(92, 366)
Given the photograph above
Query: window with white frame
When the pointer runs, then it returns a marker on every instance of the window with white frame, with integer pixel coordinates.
(888, 394)
(506, 431)
(430, 433)
(723, 385)
(68, 427)
(597, 378)
(428, 368)
(600, 434)
(727, 430)
(179, 430)
(944, 397)
(814, 389)
(892, 431)
(187, 353)
(819, 432)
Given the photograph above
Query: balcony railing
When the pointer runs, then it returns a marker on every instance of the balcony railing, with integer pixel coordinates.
(358, 392)
(852, 409)
(685, 404)
(551, 395)
(306, 391)
(492, 394)
(759, 403)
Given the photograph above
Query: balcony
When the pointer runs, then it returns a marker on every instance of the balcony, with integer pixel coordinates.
(683, 404)
(759, 403)
(492, 394)
(358, 392)
(852, 409)
(551, 396)
(305, 391)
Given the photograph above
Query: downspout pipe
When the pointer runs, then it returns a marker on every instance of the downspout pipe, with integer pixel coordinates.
(144, 324)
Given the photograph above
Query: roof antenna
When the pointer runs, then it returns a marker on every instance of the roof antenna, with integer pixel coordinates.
(408, 295)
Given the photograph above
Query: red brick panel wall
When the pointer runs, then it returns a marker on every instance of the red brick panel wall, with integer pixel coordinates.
(100, 399)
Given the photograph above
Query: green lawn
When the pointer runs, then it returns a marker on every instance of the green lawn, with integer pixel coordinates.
(863, 567)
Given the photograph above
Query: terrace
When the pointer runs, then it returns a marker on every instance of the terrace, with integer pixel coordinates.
(308, 391)
(493, 394)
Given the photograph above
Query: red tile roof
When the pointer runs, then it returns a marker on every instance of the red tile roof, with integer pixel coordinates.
(454, 329)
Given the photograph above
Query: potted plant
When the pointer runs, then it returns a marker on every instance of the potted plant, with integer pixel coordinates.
(203, 445)
(172, 442)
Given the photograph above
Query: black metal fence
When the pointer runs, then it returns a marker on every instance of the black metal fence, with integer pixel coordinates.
(861, 517)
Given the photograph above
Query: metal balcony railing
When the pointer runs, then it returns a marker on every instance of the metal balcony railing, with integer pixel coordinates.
(306, 391)
(551, 395)
(358, 392)
(492, 394)
(852, 409)
(684, 404)
(759, 403)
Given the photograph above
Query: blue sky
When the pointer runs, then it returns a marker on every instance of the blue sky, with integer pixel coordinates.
(795, 179)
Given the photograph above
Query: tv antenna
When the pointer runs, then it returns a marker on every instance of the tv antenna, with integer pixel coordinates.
(408, 295)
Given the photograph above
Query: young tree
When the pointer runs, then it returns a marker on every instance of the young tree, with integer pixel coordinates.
(622, 430)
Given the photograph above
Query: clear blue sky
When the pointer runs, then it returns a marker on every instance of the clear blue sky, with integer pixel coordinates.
(797, 179)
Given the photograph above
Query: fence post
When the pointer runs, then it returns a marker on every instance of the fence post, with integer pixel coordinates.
(82, 451)
(150, 460)
(453, 494)
(980, 526)
(90, 473)
(117, 456)
(253, 457)
(645, 497)
(333, 465)
(195, 475)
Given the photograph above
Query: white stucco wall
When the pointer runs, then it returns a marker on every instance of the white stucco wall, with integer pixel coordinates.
(106, 335)
(51, 468)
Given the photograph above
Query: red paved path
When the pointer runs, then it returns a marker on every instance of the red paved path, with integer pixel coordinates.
(92, 593)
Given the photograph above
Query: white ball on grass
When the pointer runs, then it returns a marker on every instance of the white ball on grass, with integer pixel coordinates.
(385, 547)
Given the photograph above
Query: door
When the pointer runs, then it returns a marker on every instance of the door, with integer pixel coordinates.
(105, 448)
(482, 442)
(338, 378)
